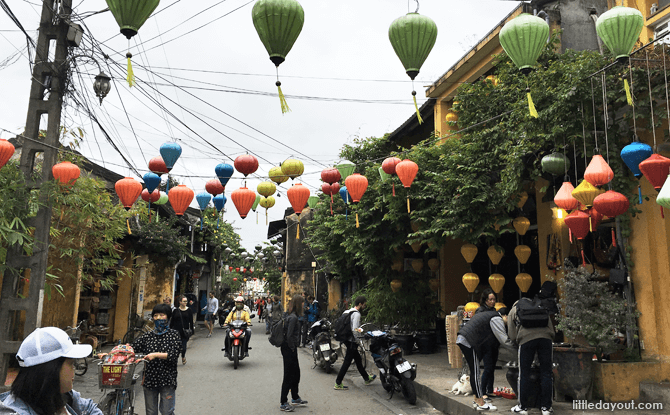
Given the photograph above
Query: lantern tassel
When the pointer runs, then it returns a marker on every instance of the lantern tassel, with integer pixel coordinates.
(393, 184)
(256, 217)
(297, 235)
(590, 224)
(357, 225)
(131, 74)
(629, 96)
(531, 106)
(408, 211)
(416, 107)
(639, 195)
(128, 223)
(266, 217)
(331, 204)
(167, 184)
(613, 238)
(570, 234)
(282, 99)
(583, 258)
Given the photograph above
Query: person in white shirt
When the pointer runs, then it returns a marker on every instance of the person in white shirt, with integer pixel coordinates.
(210, 312)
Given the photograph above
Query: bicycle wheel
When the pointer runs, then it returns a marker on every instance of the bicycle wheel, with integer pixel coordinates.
(361, 351)
(80, 366)
(116, 403)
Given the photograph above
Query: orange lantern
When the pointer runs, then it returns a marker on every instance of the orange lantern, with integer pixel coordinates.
(180, 197)
(611, 203)
(128, 190)
(157, 166)
(524, 281)
(497, 281)
(471, 281)
(388, 165)
(396, 285)
(579, 224)
(298, 195)
(655, 169)
(469, 252)
(523, 197)
(406, 171)
(433, 264)
(522, 253)
(564, 198)
(416, 247)
(356, 185)
(6, 152)
(521, 225)
(243, 199)
(66, 173)
(598, 172)
(495, 253)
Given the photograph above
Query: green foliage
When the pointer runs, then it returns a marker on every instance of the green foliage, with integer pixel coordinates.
(14, 211)
(161, 239)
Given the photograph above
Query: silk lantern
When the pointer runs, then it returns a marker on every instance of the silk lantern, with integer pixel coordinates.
(524, 281)
(611, 203)
(267, 203)
(633, 154)
(469, 252)
(495, 253)
(152, 197)
(345, 168)
(203, 200)
(586, 193)
(522, 253)
(619, 28)
(312, 201)
(128, 190)
(471, 281)
(219, 202)
(157, 165)
(655, 169)
(496, 281)
(298, 195)
(170, 153)
(663, 197)
(389, 165)
(564, 198)
(344, 194)
(151, 181)
(246, 164)
(266, 188)
(243, 199)
(406, 171)
(6, 152)
(66, 173)
(521, 225)
(356, 185)
(598, 172)
(396, 285)
(555, 163)
(292, 168)
(180, 198)
(331, 190)
(277, 175)
(163, 199)
(330, 175)
(214, 187)
(579, 224)
(433, 264)
(417, 265)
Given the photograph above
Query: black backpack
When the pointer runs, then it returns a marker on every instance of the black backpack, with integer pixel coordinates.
(277, 333)
(532, 313)
(342, 327)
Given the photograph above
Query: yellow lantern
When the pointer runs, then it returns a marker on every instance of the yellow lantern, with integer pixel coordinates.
(524, 280)
(417, 265)
(521, 225)
(470, 309)
(496, 281)
(451, 116)
(585, 193)
(492, 79)
(522, 200)
(245, 280)
(469, 252)
(396, 285)
(498, 306)
(495, 253)
(397, 265)
(277, 175)
(522, 253)
(471, 281)
(434, 284)
(416, 246)
(292, 168)
(433, 264)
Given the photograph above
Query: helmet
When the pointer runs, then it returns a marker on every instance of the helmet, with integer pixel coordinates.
(239, 299)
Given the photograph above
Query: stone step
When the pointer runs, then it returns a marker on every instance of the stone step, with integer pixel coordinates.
(653, 392)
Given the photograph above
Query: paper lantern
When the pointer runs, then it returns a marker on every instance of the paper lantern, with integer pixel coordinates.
(522, 253)
(469, 252)
(598, 172)
(224, 172)
(151, 181)
(128, 190)
(416, 247)
(521, 225)
(266, 188)
(256, 202)
(67, 173)
(495, 253)
(397, 265)
(470, 309)
(203, 200)
(267, 202)
(344, 194)
(451, 117)
(389, 164)
(523, 198)
(417, 265)
(277, 175)
(635, 153)
(524, 281)
(330, 175)
(555, 163)
(246, 164)
(564, 198)
(330, 189)
(496, 281)
(396, 285)
(586, 193)
(214, 187)
(523, 39)
(157, 166)
(406, 171)
(611, 203)
(345, 168)
(579, 223)
(6, 152)
(619, 28)
(298, 195)
(180, 198)
(471, 281)
(312, 201)
(131, 15)
(170, 153)
(433, 264)
(219, 202)
(163, 199)
(663, 197)
(152, 197)
(434, 284)
(356, 185)
(655, 169)
(292, 168)
(243, 198)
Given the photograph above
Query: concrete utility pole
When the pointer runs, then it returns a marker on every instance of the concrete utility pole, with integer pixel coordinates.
(20, 316)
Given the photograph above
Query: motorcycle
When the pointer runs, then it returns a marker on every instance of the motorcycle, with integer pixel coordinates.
(237, 332)
(322, 351)
(395, 373)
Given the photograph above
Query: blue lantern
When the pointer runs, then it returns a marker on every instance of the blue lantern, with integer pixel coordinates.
(219, 203)
(170, 153)
(346, 197)
(151, 181)
(203, 200)
(634, 154)
(224, 172)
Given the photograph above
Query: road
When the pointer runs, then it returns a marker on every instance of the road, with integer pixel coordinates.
(208, 384)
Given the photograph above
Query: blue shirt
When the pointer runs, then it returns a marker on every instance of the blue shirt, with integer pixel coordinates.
(80, 406)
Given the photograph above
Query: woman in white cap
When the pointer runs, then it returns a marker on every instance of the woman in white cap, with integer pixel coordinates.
(44, 382)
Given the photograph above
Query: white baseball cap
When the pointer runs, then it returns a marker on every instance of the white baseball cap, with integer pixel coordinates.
(49, 343)
(239, 299)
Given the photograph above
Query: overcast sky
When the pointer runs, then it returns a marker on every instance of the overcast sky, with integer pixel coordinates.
(210, 71)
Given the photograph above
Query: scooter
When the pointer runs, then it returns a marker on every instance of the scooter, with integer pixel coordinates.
(237, 332)
(322, 351)
(395, 373)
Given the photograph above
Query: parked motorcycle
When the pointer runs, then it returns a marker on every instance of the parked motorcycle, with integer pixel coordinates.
(395, 373)
(237, 332)
(322, 351)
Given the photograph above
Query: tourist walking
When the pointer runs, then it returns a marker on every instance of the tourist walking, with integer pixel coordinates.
(352, 347)
(289, 352)
(182, 322)
(210, 312)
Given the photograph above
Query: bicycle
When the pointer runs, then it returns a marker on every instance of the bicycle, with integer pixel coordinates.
(81, 364)
(137, 327)
(362, 348)
(122, 378)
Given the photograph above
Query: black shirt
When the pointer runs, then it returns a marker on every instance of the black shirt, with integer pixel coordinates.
(159, 372)
(182, 320)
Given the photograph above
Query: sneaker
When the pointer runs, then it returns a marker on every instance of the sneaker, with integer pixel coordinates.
(209, 335)
(226, 354)
(286, 407)
(486, 407)
(340, 387)
(547, 411)
(519, 410)
(371, 379)
(298, 402)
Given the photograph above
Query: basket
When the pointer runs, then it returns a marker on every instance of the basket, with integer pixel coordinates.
(453, 351)
(113, 376)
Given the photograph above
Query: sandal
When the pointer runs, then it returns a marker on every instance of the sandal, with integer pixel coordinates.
(183, 360)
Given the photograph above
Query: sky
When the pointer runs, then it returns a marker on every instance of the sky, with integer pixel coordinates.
(204, 80)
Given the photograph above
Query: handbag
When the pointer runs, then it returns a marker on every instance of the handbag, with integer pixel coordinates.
(188, 332)
(619, 275)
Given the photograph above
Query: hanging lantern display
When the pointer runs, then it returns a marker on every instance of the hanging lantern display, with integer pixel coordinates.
(266, 188)
(495, 253)
(312, 201)
(564, 198)
(406, 171)
(246, 164)
(555, 163)
(157, 166)
(586, 193)
(524, 281)
(619, 28)
(243, 198)
(633, 154)
(413, 37)
(256, 202)
(416, 247)
(433, 264)
(345, 168)
(330, 175)
(292, 168)
(203, 200)
(6, 152)
(389, 166)
(330, 189)
(598, 172)
(170, 153)
(277, 175)
(163, 199)
(469, 252)
(471, 281)
(180, 198)
(298, 195)
(152, 197)
(579, 224)
(521, 225)
(214, 187)
(496, 281)
(655, 169)
(151, 181)
(344, 194)
(128, 190)
(523, 39)
(396, 285)
(663, 197)
(417, 265)
(522, 253)
(356, 185)
(523, 198)
(66, 173)
(224, 172)
(611, 203)
(278, 24)
(219, 202)
(267, 203)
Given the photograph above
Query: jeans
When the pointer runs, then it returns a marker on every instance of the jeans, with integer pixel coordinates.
(490, 359)
(183, 346)
(473, 363)
(167, 400)
(544, 350)
(291, 373)
(352, 354)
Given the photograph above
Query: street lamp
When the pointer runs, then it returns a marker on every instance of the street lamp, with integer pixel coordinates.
(102, 86)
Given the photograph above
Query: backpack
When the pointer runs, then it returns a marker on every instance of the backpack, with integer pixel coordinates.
(277, 335)
(532, 314)
(342, 327)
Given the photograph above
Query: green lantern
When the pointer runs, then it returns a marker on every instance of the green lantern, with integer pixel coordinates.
(555, 163)
(278, 23)
(413, 37)
(312, 201)
(619, 28)
(345, 168)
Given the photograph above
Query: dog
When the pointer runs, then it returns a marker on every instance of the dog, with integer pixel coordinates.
(462, 386)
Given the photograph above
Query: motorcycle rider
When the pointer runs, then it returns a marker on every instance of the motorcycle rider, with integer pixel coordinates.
(239, 313)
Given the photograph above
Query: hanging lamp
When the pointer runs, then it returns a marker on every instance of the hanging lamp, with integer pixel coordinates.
(633, 154)
(267, 203)
(555, 163)
(619, 28)
(246, 164)
(522, 253)
(389, 166)
(497, 281)
(152, 197)
(521, 225)
(578, 222)
(297, 196)
(495, 254)
(151, 181)
(598, 172)
(406, 171)
(277, 175)
(163, 199)
(128, 190)
(345, 168)
(356, 185)
(524, 281)
(330, 189)
(611, 203)
(203, 200)
(255, 205)
(564, 198)
(312, 201)
(6, 152)
(66, 173)
(157, 165)
(586, 193)
(243, 199)
(292, 168)
(471, 281)
(224, 172)
(214, 187)
(655, 169)
(266, 188)
(180, 198)
(469, 252)
(219, 203)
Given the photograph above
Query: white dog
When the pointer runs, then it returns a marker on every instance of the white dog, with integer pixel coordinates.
(462, 386)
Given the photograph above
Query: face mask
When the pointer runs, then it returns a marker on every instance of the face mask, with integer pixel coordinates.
(239, 306)
(161, 326)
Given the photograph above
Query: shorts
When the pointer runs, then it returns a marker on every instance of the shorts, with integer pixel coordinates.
(209, 317)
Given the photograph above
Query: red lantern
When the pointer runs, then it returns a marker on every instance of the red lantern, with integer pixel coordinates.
(331, 189)
(243, 199)
(331, 175)
(128, 190)
(255, 278)
(237, 269)
(155, 195)
(579, 224)
(298, 195)
(611, 203)
(214, 187)
(66, 173)
(235, 279)
(598, 172)
(389, 165)
(656, 169)
(6, 152)
(180, 197)
(246, 164)
(157, 165)
(564, 198)
(406, 171)
(231, 268)
(263, 278)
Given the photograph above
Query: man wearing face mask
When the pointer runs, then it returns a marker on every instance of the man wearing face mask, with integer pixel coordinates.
(239, 313)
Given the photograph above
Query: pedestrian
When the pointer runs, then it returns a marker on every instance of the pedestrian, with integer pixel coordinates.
(484, 331)
(352, 347)
(302, 335)
(210, 311)
(289, 352)
(167, 300)
(312, 312)
(535, 341)
(487, 302)
(277, 309)
(161, 348)
(267, 314)
(182, 321)
(44, 382)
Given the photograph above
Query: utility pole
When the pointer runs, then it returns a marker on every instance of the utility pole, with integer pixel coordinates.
(21, 311)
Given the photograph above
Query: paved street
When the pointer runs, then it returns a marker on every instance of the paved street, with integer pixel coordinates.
(208, 384)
